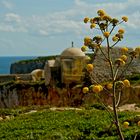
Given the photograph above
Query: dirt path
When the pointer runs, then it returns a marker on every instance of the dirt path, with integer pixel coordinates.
(128, 107)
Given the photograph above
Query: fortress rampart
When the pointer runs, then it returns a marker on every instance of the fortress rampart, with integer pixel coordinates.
(14, 77)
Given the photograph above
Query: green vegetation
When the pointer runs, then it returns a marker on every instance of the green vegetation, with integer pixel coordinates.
(38, 59)
(135, 79)
(64, 125)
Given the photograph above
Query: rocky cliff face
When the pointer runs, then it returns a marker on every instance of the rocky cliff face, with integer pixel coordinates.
(26, 67)
(15, 94)
(101, 71)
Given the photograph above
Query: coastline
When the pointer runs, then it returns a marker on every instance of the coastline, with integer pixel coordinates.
(6, 61)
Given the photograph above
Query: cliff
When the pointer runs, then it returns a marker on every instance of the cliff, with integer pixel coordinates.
(14, 94)
(100, 72)
(27, 66)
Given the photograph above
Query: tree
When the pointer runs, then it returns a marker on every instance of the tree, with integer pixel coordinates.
(107, 26)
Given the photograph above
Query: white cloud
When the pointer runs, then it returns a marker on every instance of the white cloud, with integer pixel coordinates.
(116, 9)
(134, 20)
(7, 4)
(55, 24)
(11, 28)
(70, 21)
(43, 32)
(6, 28)
(12, 22)
(12, 17)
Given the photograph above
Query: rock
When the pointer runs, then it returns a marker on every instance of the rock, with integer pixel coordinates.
(22, 68)
(1, 118)
(30, 112)
(101, 72)
(7, 117)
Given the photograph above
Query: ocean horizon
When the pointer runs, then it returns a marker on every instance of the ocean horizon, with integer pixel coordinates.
(6, 61)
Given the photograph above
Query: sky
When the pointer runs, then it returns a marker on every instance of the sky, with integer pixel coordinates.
(47, 27)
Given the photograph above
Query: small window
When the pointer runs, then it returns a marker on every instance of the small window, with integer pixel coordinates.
(67, 65)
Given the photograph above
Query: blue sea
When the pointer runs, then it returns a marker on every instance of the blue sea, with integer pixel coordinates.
(6, 61)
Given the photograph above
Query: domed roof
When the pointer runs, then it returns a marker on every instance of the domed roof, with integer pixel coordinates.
(72, 52)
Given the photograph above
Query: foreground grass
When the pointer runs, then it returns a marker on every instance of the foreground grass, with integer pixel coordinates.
(64, 125)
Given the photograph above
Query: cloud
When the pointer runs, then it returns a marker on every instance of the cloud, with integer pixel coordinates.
(7, 4)
(12, 17)
(6, 28)
(70, 20)
(12, 22)
(43, 32)
(118, 9)
(91, 8)
(11, 28)
(134, 20)
(55, 24)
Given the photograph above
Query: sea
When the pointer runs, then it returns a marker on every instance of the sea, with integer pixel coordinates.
(6, 61)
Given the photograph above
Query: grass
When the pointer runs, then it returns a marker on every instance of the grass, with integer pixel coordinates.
(63, 125)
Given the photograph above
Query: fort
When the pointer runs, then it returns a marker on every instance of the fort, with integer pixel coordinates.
(58, 88)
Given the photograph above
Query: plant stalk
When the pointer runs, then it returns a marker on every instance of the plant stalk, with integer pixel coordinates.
(116, 113)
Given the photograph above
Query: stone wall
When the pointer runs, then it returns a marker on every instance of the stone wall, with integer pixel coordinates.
(15, 77)
(16, 94)
(7, 77)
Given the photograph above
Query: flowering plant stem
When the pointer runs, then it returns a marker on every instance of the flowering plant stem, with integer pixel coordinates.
(107, 25)
(116, 113)
(113, 77)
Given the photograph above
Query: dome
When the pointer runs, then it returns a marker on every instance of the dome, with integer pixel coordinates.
(72, 52)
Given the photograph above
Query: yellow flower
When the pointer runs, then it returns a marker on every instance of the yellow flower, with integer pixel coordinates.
(115, 38)
(87, 41)
(90, 67)
(85, 90)
(106, 34)
(92, 20)
(101, 12)
(109, 86)
(107, 18)
(124, 18)
(97, 88)
(138, 123)
(133, 54)
(124, 57)
(93, 25)
(126, 124)
(119, 62)
(94, 45)
(126, 83)
(114, 21)
(84, 48)
(101, 88)
(122, 62)
(121, 31)
(86, 19)
(124, 49)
